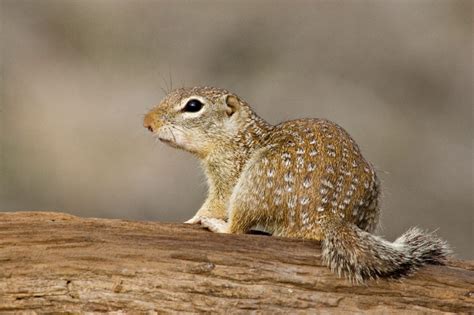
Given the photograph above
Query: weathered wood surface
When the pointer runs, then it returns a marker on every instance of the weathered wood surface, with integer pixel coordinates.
(58, 262)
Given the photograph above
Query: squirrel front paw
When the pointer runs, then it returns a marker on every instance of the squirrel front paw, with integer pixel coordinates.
(197, 219)
(194, 220)
(215, 225)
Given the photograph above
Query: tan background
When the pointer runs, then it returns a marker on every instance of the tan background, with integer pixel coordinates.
(77, 77)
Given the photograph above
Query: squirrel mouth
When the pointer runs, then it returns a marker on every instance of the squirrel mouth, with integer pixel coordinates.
(169, 142)
(165, 140)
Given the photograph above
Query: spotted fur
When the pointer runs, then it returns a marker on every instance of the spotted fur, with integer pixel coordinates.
(304, 178)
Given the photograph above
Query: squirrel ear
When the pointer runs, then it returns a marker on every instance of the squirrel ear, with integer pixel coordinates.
(233, 104)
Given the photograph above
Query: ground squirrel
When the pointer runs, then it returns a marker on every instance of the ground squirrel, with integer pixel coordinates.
(304, 178)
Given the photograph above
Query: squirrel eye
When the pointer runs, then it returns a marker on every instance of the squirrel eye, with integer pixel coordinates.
(193, 106)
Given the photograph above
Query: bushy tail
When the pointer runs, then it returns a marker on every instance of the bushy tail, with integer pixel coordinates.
(360, 256)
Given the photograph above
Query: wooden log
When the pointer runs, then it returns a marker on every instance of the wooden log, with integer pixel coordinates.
(55, 262)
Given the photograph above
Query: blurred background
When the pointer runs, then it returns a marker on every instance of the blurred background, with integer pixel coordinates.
(78, 76)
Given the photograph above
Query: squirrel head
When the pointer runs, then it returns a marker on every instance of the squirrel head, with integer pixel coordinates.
(197, 119)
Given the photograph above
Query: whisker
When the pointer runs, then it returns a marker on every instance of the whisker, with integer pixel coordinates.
(160, 84)
(166, 84)
(163, 90)
(171, 80)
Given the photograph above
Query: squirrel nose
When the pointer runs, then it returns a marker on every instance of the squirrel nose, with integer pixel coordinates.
(148, 123)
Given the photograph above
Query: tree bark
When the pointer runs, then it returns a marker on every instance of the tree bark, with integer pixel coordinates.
(54, 262)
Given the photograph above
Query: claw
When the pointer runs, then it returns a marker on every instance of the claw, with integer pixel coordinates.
(193, 220)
